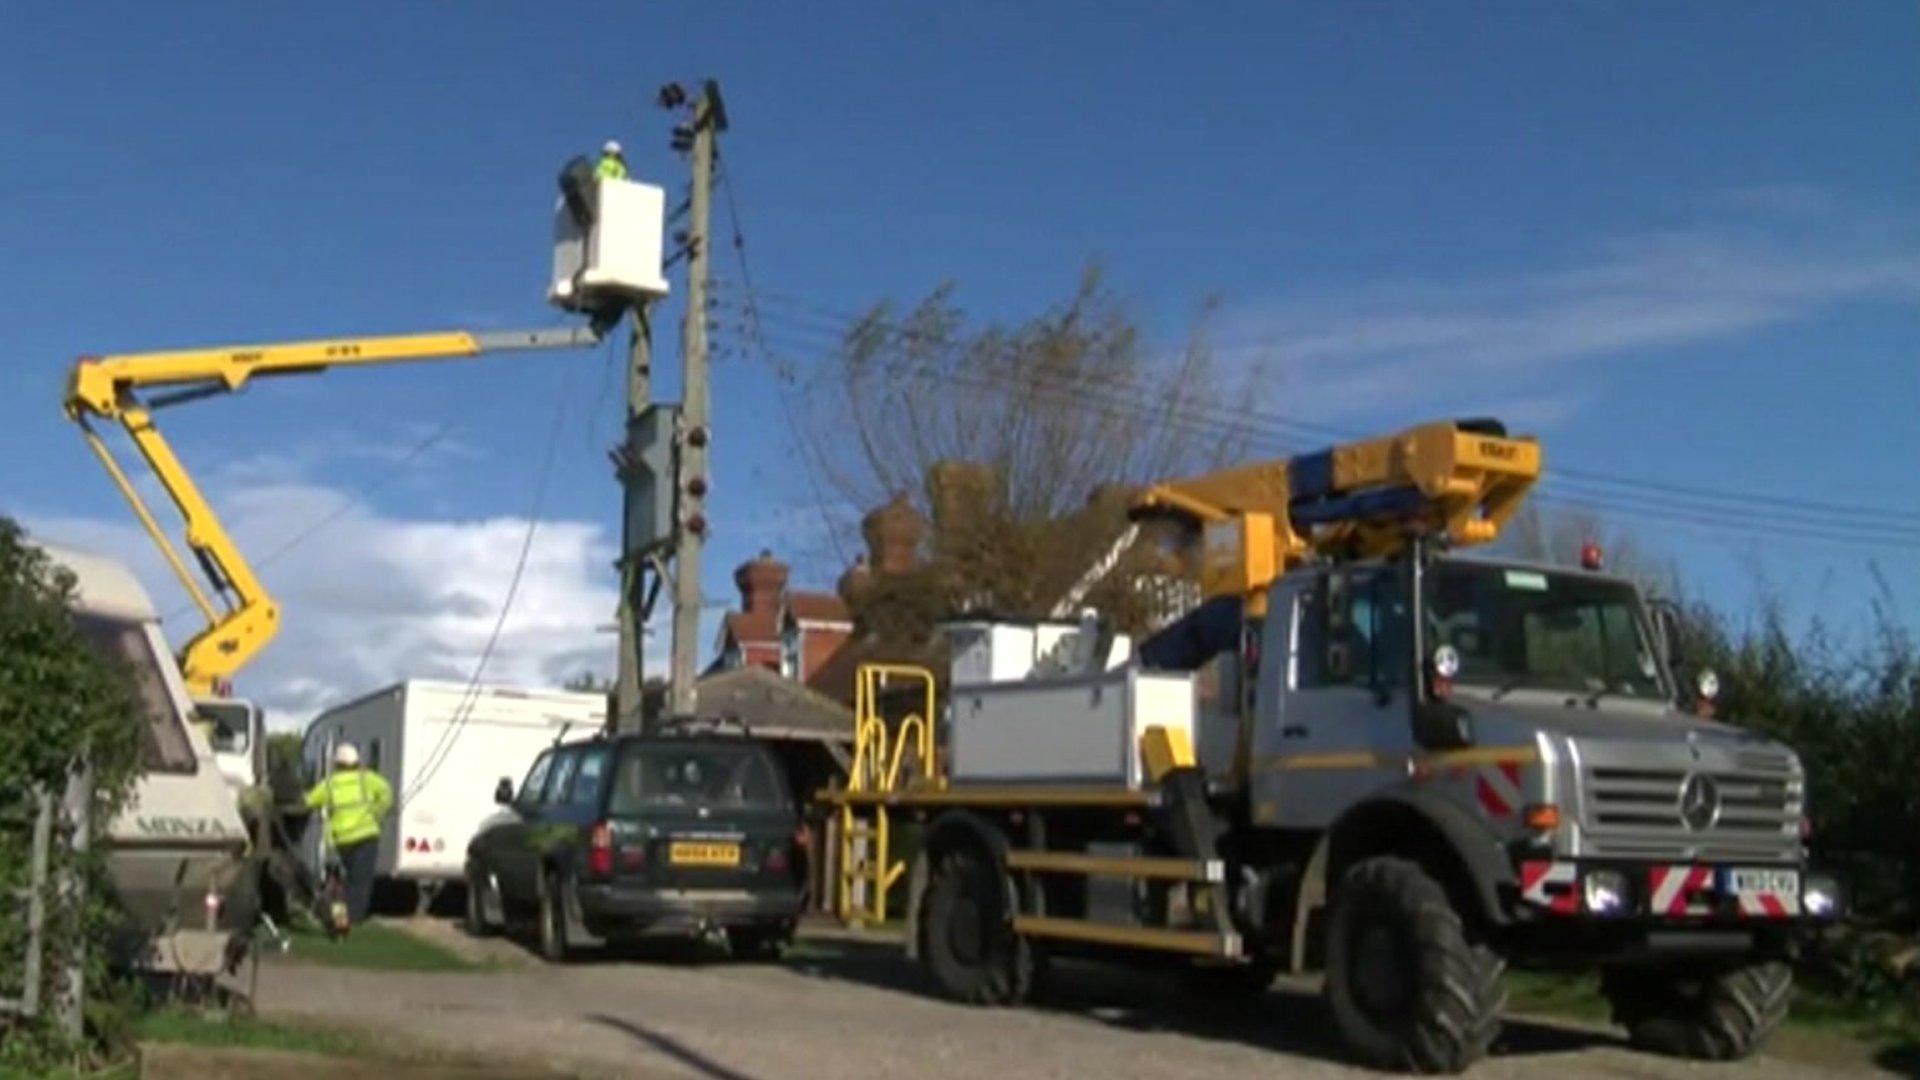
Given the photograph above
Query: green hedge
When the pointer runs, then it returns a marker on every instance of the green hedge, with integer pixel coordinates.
(59, 704)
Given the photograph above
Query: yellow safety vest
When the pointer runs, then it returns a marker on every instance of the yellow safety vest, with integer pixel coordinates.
(355, 801)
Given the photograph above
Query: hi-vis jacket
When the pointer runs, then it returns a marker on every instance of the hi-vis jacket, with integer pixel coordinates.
(355, 800)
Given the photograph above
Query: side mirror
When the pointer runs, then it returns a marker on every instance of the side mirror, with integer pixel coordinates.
(1442, 725)
(503, 791)
(1666, 623)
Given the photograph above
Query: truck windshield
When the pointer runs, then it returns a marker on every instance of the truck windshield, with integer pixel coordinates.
(1520, 627)
(163, 737)
(658, 776)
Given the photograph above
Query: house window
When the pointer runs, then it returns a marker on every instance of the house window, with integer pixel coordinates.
(790, 652)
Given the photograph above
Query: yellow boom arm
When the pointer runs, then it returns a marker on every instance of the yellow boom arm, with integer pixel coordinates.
(1459, 481)
(110, 388)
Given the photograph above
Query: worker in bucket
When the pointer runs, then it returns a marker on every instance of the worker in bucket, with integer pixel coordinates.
(355, 801)
(613, 164)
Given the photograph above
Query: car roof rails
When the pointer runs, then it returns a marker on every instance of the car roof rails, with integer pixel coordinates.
(705, 725)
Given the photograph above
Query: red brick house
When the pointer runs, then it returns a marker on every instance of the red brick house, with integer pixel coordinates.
(790, 632)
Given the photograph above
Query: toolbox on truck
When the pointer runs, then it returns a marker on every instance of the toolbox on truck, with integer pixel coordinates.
(1082, 729)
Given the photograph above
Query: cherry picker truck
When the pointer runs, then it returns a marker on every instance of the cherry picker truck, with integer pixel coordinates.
(1365, 752)
(606, 261)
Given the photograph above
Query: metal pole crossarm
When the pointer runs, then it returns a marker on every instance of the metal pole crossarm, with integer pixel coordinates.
(109, 387)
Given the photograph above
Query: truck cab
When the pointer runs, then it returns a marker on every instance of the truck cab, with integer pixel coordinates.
(1515, 735)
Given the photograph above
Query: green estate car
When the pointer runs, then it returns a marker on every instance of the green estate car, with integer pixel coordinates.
(611, 839)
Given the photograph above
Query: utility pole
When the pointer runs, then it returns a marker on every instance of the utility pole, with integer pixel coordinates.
(709, 119)
(635, 603)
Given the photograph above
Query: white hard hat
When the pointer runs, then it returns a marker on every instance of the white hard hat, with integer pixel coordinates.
(346, 755)
(611, 146)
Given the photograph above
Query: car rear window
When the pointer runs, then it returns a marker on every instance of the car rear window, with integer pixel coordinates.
(658, 776)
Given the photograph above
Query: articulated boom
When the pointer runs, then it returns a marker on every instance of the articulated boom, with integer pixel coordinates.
(109, 388)
(1458, 481)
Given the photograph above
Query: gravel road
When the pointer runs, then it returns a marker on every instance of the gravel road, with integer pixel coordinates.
(846, 1006)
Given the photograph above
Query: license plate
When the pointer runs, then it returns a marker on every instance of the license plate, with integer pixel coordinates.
(1744, 882)
(699, 853)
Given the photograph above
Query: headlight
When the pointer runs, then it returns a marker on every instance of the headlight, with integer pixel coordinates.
(1607, 892)
(1820, 897)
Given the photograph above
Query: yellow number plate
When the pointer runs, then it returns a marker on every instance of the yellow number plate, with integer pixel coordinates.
(692, 853)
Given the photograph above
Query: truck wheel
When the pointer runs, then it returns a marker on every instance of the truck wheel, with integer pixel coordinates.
(476, 921)
(1714, 1015)
(968, 936)
(1408, 989)
(553, 919)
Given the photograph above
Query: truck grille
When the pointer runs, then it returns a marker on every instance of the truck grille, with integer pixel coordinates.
(1634, 810)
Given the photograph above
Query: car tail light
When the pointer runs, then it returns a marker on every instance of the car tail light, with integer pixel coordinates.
(600, 850)
(778, 861)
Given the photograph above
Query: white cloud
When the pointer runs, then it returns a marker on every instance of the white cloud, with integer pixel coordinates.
(1755, 259)
(373, 599)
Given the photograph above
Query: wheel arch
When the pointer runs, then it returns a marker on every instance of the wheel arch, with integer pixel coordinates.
(1467, 858)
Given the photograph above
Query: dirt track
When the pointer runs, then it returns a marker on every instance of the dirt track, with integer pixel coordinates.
(846, 1006)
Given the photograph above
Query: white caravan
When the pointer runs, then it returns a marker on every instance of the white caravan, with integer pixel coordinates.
(443, 749)
(177, 855)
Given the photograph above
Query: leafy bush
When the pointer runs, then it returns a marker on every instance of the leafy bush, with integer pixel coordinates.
(1853, 713)
(60, 704)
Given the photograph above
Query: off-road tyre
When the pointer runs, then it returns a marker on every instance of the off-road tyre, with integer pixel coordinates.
(476, 908)
(967, 933)
(1408, 986)
(552, 925)
(1710, 1014)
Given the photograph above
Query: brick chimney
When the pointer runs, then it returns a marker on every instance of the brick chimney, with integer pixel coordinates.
(761, 582)
(893, 533)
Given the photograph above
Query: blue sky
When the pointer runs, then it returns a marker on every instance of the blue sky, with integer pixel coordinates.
(1679, 241)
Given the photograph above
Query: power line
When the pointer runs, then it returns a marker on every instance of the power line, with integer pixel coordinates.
(813, 315)
(758, 332)
(1206, 417)
(347, 504)
(470, 698)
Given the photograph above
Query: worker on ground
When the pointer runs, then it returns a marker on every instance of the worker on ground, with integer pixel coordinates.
(356, 800)
(613, 164)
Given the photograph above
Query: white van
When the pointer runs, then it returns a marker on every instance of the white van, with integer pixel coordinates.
(443, 749)
(177, 855)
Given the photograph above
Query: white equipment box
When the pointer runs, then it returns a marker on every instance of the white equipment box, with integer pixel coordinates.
(615, 259)
(991, 651)
(1077, 730)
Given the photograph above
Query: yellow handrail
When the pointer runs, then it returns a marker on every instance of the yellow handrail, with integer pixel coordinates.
(867, 869)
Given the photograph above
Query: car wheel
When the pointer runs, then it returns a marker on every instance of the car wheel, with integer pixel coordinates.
(553, 919)
(476, 921)
(1714, 1014)
(968, 937)
(1407, 987)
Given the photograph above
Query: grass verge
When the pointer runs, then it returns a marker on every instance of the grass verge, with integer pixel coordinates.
(213, 1028)
(375, 947)
(1822, 1027)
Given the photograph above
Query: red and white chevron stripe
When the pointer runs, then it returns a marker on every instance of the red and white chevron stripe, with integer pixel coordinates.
(1497, 787)
(1551, 885)
(1679, 890)
(1769, 904)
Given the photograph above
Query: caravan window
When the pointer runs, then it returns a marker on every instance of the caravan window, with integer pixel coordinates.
(164, 746)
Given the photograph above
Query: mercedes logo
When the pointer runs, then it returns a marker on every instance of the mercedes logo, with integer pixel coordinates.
(1699, 802)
